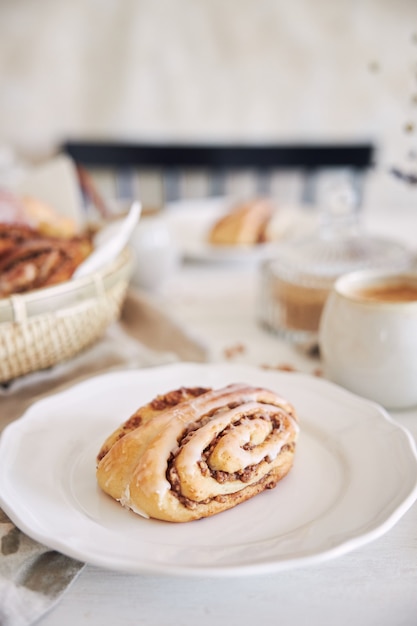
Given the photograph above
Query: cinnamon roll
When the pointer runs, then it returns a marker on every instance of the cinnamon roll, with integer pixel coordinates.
(13, 235)
(245, 224)
(195, 452)
(36, 261)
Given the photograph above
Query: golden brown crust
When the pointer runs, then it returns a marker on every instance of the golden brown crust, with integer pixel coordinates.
(211, 450)
(246, 224)
(46, 220)
(149, 411)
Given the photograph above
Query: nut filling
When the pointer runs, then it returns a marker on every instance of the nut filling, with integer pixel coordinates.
(243, 475)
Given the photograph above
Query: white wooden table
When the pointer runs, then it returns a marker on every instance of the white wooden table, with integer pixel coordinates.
(375, 585)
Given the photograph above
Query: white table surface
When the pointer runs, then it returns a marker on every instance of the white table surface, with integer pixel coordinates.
(373, 585)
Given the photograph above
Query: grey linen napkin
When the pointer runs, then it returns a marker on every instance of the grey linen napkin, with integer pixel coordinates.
(32, 577)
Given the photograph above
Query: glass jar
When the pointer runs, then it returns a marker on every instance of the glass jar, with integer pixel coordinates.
(295, 283)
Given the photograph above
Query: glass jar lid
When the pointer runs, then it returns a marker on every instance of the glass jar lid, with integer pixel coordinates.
(318, 261)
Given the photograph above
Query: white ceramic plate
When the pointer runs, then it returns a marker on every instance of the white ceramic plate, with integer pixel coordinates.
(340, 494)
(190, 223)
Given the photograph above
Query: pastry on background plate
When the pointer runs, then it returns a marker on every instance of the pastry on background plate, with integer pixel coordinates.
(246, 224)
(195, 452)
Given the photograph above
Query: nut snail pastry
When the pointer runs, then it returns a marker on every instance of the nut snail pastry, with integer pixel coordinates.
(245, 225)
(35, 262)
(195, 452)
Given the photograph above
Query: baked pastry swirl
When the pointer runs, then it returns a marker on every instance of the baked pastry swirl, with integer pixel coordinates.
(29, 261)
(13, 235)
(246, 224)
(195, 452)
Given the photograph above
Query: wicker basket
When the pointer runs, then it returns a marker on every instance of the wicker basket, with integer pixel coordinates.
(46, 326)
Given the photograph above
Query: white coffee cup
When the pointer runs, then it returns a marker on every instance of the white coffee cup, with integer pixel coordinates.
(368, 336)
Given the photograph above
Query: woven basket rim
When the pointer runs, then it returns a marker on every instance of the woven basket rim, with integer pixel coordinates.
(90, 284)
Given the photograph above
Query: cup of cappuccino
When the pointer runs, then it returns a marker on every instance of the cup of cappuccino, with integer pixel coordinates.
(368, 336)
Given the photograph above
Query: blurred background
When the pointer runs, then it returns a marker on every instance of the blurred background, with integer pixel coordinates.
(212, 70)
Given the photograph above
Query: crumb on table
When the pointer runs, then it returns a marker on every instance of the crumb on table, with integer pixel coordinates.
(287, 367)
(282, 367)
(231, 351)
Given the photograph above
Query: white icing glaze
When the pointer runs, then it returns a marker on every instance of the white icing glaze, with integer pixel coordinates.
(149, 476)
(229, 455)
(125, 497)
(126, 502)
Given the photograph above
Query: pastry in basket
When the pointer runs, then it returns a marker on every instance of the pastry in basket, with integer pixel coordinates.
(46, 220)
(20, 211)
(35, 261)
(245, 224)
(195, 452)
(13, 235)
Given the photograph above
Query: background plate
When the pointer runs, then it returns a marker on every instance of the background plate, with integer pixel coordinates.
(190, 223)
